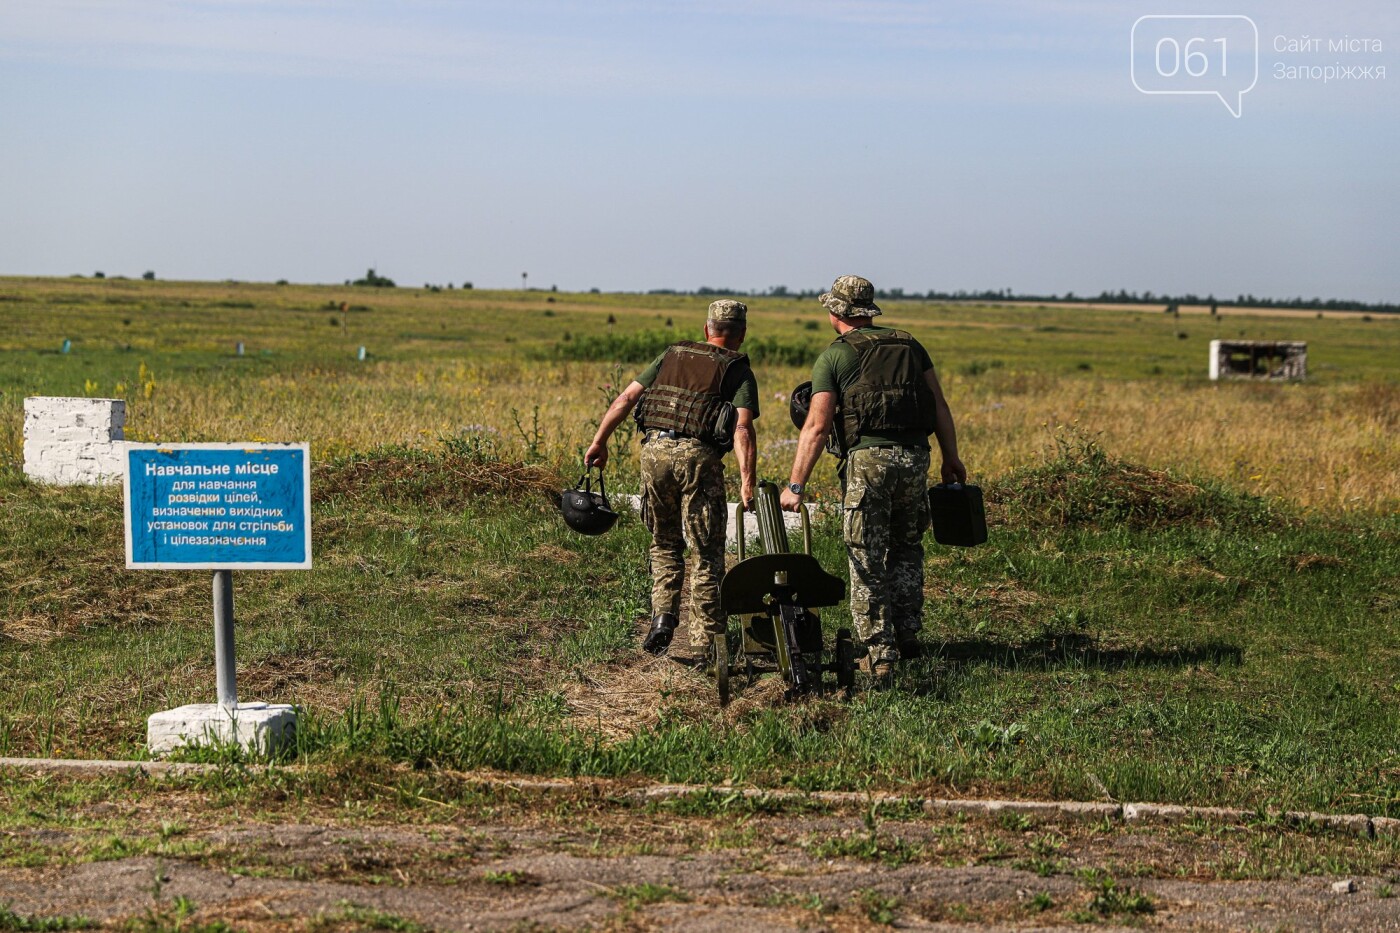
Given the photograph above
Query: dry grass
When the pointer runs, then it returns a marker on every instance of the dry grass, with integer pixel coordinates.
(619, 701)
(33, 629)
(1191, 310)
(1333, 448)
(1325, 449)
(449, 480)
(1004, 602)
(71, 598)
(1085, 485)
(1010, 372)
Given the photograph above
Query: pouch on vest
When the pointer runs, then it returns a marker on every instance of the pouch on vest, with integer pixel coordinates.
(726, 419)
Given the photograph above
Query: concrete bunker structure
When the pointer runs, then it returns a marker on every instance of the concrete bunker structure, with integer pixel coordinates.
(1258, 359)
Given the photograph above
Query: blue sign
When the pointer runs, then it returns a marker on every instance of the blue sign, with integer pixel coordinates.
(218, 506)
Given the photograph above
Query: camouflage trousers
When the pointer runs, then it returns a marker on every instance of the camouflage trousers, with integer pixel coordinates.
(886, 512)
(683, 503)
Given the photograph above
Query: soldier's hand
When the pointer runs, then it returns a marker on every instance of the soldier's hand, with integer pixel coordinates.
(746, 496)
(954, 471)
(597, 456)
(791, 501)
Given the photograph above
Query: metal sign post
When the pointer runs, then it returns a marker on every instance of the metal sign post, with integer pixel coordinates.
(225, 675)
(219, 507)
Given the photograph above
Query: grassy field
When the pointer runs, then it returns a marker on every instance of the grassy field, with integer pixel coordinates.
(506, 366)
(1190, 594)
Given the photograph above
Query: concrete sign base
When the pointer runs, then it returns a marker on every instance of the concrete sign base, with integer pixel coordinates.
(258, 727)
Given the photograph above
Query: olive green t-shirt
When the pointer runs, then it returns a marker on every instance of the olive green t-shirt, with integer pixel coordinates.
(739, 386)
(837, 369)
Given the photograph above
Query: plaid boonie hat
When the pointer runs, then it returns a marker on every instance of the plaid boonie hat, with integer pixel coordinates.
(727, 309)
(850, 296)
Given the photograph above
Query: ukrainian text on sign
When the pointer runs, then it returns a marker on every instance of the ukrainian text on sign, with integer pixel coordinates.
(216, 506)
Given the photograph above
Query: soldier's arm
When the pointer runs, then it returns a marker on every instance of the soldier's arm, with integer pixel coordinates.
(746, 452)
(953, 470)
(809, 444)
(597, 454)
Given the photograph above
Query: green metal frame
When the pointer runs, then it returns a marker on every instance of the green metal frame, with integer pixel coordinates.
(750, 592)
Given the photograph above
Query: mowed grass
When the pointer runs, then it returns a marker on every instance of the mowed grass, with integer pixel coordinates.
(446, 363)
(1221, 633)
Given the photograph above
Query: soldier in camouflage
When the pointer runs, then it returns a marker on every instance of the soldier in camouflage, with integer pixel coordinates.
(693, 403)
(875, 401)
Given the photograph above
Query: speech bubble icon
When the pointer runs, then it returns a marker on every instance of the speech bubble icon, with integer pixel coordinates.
(1196, 54)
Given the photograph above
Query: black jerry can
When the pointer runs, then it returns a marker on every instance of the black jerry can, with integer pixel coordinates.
(959, 518)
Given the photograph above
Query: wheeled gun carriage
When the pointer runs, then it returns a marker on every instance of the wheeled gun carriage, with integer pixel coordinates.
(775, 596)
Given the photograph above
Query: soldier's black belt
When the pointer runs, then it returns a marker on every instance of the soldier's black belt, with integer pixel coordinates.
(668, 435)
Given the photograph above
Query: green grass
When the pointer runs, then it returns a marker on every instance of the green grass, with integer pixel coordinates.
(872, 847)
(70, 820)
(368, 918)
(879, 908)
(503, 878)
(11, 922)
(1109, 901)
(191, 328)
(634, 896)
(1182, 644)
(1124, 633)
(645, 346)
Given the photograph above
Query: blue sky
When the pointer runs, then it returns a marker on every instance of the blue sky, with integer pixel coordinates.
(635, 144)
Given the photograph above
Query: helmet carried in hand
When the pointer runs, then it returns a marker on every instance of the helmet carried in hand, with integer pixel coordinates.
(799, 403)
(586, 511)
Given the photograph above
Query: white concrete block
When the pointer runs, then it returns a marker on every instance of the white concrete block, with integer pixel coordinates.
(46, 405)
(94, 454)
(74, 440)
(74, 410)
(72, 435)
(259, 727)
(791, 520)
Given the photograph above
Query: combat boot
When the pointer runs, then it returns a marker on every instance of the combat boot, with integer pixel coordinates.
(880, 671)
(659, 638)
(909, 647)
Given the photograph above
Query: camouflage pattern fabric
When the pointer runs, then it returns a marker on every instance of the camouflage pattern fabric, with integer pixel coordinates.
(886, 513)
(683, 503)
(727, 309)
(850, 296)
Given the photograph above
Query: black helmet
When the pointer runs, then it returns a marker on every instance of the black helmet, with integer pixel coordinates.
(586, 511)
(800, 403)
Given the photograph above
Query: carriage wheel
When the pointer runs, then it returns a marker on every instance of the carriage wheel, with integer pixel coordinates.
(845, 661)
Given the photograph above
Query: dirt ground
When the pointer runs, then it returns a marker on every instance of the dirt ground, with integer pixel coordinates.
(630, 868)
(412, 852)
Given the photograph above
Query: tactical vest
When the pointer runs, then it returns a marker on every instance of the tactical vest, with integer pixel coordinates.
(687, 394)
(889, 395)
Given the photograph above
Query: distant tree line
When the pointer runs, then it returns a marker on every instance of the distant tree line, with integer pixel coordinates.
(373, 280)
(1121, 296)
